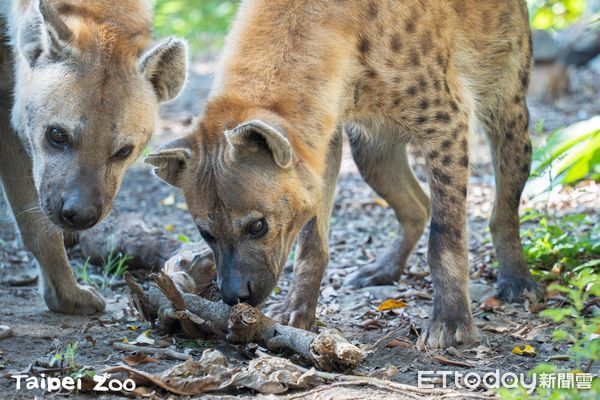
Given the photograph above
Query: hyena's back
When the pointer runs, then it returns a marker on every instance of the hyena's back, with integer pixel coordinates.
(415, 49)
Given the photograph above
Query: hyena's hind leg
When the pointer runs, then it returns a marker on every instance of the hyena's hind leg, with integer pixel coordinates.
(508, 131)
(385, 168)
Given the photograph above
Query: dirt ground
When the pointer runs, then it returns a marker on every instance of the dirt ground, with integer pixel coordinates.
(362, 225)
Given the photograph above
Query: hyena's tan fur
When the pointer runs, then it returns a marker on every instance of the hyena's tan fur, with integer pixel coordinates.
(75, 70)
(267, 145)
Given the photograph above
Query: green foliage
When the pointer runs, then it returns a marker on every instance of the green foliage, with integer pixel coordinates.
(183, 238)
(202, 22)
(578, 327)
(566, 251)
(114, 267)
(554, 14)
(66, 359)
(570, 154)
(559, 246)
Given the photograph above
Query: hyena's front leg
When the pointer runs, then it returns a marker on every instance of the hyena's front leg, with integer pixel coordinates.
(312, 253)
(60, 289)
(447, 166)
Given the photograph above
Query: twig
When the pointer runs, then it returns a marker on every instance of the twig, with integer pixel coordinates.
(407, 391)
(150, 350)
(171, 292)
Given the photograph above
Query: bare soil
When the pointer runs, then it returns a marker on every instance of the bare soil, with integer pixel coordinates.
(362, 225)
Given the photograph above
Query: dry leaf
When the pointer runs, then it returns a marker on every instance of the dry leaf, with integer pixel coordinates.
(496, 328)
(168, 201)
(372, 324)
(267, 375)
(138, 359)
(143, 338)
(403, 342)
(446, 361)
(391, 304)
(491, 304)
(381, 202)
(527, 351)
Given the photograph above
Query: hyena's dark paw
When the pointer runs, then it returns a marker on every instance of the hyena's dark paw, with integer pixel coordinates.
(511, 288)
(81, 300)
(440, 334)
(371, 275)
(299, 316)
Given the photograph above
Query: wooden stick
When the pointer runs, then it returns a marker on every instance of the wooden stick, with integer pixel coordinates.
(243, 324)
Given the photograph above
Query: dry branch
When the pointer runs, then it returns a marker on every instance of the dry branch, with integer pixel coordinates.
(241, 324)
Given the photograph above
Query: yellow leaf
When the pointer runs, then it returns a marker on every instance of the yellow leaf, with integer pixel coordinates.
(169, 228)
(527, 350)
(390, 304)
(125, 340)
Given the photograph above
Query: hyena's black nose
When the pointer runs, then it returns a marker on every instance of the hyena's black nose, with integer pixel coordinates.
(77, 213)
(236, 293)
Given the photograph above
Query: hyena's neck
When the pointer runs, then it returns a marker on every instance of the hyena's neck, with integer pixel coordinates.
(292, 61)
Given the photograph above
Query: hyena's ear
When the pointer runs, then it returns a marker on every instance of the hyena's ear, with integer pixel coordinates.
(259, 133)
(165, 66)
(170, 160)
(42, 31)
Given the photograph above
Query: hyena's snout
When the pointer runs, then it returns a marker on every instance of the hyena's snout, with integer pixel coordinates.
(235, 288)
(244, 283)
(79, 209)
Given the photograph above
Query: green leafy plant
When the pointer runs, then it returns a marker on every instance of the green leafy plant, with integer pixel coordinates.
(579, 327)
(557, 246)
(83, 273)
(66, 359)
(570, 154)
(113, 268)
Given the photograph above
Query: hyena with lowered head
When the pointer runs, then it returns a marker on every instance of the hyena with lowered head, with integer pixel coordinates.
(261, 164)
(84, 97)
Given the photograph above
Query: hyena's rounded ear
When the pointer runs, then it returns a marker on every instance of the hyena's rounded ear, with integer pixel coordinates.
(259, 133)
(165, 66)
(170, 160)
(42, 31)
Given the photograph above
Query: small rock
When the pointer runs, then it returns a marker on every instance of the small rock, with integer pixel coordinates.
(381, 292)
(478, 292)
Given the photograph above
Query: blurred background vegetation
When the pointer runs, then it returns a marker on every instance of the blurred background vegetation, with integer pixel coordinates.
(205, 22)
(202, 22)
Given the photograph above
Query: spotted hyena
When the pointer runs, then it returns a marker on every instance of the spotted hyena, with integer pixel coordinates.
(82, 93)
(259, 168)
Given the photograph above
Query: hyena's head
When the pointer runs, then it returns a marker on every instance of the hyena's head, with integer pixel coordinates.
(249, 195)
(86, 100)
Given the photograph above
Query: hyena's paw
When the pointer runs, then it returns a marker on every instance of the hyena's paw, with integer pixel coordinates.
(512, 287)
(297, 315)
(371, 275)
(82, 300)
(443, 334)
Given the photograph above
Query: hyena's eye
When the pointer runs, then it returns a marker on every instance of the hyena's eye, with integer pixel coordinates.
(123, 152)
(208, 238)
(57, 136)
(258, 228)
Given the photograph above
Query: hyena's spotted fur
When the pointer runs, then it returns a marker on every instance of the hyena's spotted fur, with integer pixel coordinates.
(78, 68)
(390, 72)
